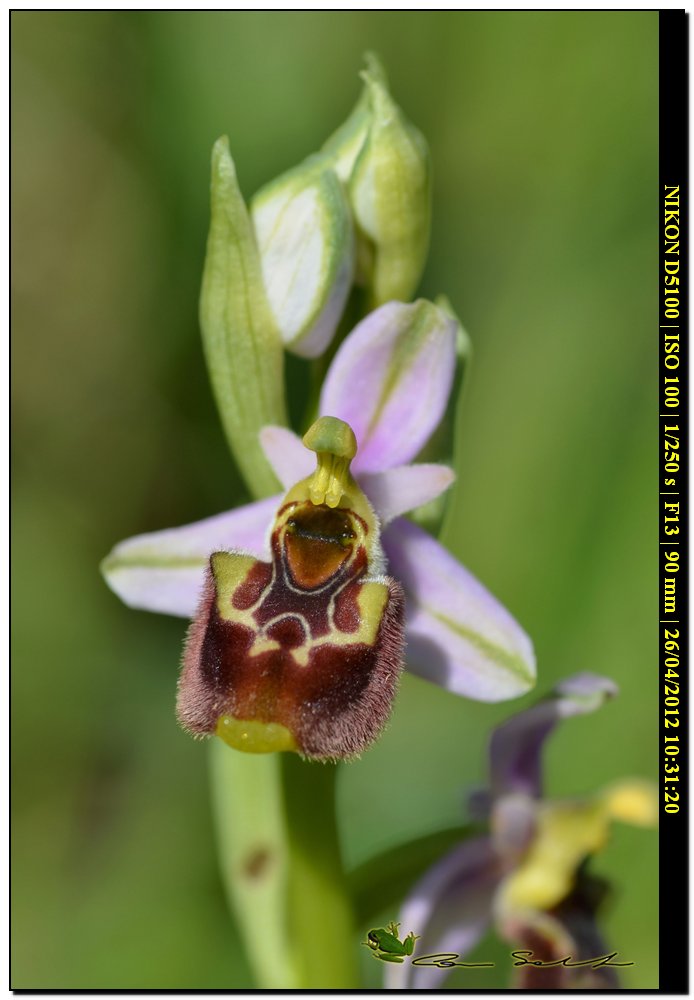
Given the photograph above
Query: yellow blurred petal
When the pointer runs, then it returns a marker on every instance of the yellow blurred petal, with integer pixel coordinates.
(633, 801)
(566, 833)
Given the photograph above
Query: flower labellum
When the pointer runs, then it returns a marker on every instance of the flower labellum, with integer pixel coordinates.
(303, 652)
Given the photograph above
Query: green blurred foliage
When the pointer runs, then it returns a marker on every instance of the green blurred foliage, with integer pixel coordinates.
(543, 130)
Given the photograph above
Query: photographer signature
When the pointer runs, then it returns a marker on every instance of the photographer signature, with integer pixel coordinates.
(449, 960)
(386, 946)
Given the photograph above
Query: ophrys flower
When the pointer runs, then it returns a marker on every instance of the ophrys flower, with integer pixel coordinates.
(302, 652)
(527, 875)
(390, 382)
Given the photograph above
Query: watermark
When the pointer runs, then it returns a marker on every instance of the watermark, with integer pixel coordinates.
(386, 946)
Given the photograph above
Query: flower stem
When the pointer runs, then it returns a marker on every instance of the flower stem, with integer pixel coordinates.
(317, 887)
(251, 837)
(280, 859)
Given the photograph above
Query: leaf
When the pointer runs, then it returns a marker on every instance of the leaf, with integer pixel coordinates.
(382, 881)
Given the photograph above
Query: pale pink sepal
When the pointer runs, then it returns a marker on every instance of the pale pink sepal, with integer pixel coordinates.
(396, 491)
(390, 381)
(458, 635)
(163, 571)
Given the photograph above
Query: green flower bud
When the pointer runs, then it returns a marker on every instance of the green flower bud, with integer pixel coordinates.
(241, 340)
(304, 230)
(385, 162)
(345, 145)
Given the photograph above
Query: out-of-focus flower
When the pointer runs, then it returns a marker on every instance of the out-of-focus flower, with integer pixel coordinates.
(384, 161)
(390, 382)
(528, 874)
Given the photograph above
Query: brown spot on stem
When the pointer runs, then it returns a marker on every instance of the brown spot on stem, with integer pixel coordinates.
(255, 866)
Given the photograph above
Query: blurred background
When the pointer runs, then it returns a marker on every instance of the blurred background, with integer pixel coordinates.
(543, 132)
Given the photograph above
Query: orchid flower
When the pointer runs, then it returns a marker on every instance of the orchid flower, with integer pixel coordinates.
(527, 874)
(301, 602)
(389, 381)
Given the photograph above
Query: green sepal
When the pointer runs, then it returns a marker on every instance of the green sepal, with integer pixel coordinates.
(346, 143)
(241, 340)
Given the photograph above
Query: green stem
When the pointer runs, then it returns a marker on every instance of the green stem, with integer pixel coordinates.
(252, 844)
(281, 865)
(278, 838)
(318, 892)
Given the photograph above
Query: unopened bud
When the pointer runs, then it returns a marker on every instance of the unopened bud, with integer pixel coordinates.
(389, 189)
(304, 230)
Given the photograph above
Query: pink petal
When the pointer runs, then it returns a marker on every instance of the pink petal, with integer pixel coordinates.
(286, 453)
(396, 491)
(390, 381)
(458, 635)
(164, 571)
(516, 745)
(450, 907)
(392, 492)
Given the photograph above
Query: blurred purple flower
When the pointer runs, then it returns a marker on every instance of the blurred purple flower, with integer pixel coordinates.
(390, 381)
(527, 875)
